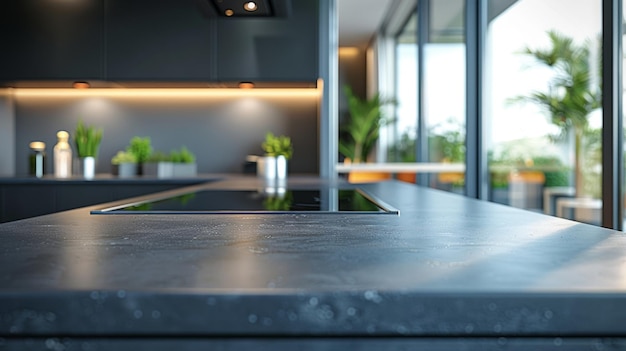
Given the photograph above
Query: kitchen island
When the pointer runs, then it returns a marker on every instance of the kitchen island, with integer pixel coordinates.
(447, 273)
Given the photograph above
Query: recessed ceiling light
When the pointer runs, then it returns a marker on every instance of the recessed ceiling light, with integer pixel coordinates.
(250, 6)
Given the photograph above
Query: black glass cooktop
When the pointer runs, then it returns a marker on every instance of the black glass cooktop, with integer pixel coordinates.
(250, 201)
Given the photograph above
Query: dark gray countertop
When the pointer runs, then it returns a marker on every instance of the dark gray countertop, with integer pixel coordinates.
(447, 266)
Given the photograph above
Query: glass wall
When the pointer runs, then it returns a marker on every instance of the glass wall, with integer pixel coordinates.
(542, 106)
(538, 101)
(406, 90)
(429, 120)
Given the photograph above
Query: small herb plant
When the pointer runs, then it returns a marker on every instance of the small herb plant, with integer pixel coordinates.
(182, 155)
(141, 148)
(159, 156)
(277, 145)
(87, 140)
(123, 157)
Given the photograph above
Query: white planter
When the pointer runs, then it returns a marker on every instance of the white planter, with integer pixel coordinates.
(127, 170)
(170, 169)
(184, 170)
(267, 167)
(281, 168)
(272, 168)
(158, 169)
(89, 167)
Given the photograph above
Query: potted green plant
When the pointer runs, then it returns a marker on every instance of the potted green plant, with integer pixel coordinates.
(277, 146)
(87, 140)
(570, 96)
(184, 163)
(124, 164)
(141, 147)
(361, 130)
(159, 164)
(278, 150)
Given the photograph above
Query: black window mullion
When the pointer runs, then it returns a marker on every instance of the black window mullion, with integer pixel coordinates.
(476, 171)
(612, 125)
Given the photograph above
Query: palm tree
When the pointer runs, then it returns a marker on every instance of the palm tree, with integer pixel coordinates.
(570, 96)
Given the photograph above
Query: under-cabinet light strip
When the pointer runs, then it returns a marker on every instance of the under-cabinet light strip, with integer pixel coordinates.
(166, 93)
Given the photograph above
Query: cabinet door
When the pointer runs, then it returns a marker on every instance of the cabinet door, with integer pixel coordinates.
(272, 48)
(26, 200)
(19, 201)
(157, 40)
(51, 39)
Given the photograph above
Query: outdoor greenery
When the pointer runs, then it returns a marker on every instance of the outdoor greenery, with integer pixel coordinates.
(447, 141)
(403, 150)
(592, 161)
(359, 133)
(87, 140)
(447, 144)
(556, 173)
(277, 145)
(571, 94)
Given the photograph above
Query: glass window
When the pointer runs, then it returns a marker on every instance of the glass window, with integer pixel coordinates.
(542, 106)
(440, 120)
(443, 111)
(406, 77)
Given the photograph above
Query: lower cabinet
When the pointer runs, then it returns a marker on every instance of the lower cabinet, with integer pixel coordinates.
(19, 201)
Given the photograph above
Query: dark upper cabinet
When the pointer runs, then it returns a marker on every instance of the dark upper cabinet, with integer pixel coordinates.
(272, 48)
(154, 41)
(51, 40)
(158, 40)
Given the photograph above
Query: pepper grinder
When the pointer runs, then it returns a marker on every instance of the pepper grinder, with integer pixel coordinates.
(37, 159)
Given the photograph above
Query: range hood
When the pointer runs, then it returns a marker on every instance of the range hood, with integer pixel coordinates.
(246, 8)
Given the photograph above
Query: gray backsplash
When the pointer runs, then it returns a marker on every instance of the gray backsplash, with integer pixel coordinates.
(221, 131)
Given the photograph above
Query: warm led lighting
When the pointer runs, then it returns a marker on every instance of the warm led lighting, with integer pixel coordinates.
(81, 85)
(229, 12)
(246, 85)
(6, 91)
(250, 6)
(348, 51)
(181, 93)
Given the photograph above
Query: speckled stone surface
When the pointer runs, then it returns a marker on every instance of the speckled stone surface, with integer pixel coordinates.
(447, 266)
